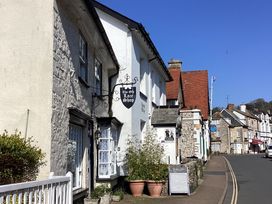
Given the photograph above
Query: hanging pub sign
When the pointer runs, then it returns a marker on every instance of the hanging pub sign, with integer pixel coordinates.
(128, 96)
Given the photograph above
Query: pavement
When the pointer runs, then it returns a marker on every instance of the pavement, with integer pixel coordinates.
(212, 189)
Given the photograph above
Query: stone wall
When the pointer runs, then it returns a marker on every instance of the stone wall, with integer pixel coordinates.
(186, 141)
(68, 92)
(223, 132)
(195, 168)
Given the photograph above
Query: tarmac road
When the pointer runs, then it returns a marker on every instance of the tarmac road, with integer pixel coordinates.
(254, 178)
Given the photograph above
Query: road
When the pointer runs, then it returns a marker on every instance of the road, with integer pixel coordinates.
(254, 178)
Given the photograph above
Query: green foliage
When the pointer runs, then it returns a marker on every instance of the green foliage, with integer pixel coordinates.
(119, 192)
(158, 172)
(217, 109)
(259, 105)
(146, 161)
(135, 162)
(19, 158)
(100, 191)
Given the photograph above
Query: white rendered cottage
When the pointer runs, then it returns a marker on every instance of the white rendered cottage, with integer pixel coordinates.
(138, 58)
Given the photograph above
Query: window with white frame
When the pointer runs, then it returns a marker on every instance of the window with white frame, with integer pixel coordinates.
(83, 59)
(98, 77)
(107, 153)
(75, 154)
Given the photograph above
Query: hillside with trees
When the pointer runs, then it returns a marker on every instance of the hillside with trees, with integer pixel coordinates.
(256, 106)
(260, 105)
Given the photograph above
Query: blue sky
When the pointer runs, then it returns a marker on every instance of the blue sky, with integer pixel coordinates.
(232, 39)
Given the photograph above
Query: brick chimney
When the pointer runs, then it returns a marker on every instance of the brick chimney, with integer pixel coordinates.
(175, 64)
(230, 107)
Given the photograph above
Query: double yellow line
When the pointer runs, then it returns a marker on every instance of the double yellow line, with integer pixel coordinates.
(234, 183)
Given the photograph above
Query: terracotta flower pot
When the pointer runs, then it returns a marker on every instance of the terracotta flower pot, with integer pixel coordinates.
(155, 188)
(136, 187)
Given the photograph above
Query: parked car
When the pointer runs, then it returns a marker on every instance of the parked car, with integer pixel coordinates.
(268, 151)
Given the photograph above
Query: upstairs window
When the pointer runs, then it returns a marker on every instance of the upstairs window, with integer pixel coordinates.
(98, 78)
(83, 59)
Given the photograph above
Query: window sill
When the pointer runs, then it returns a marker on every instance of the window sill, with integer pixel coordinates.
(111, 178)
(83, 82)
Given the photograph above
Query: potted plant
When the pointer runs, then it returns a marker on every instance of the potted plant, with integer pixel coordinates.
(136, 169)
(101, 194)
(156, 179)
(157, 171)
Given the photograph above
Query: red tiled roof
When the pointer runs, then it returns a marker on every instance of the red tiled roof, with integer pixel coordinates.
(196, 91)
(172, 87)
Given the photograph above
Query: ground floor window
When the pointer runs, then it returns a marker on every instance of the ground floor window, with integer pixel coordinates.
(107, 152)
(75, 154)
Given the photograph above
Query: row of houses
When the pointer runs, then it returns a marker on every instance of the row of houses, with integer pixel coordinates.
(237, 130)
(83, 79)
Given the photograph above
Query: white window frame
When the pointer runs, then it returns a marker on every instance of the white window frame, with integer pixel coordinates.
(75, 140)
(83, 59)
(109, 136)
(98, 77)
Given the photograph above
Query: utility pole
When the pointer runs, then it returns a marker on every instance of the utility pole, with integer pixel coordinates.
(211, 97)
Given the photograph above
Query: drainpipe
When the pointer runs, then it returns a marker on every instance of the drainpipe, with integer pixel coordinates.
(111, 92)
(27, 119)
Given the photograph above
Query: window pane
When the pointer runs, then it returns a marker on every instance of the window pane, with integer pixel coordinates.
(104, 169)
(98, 77)
(103, 144)
(83, 59)
(83, 72)
(75, 153)
(103, 156)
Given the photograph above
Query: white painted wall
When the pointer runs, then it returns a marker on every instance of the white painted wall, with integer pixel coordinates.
(26, 69)
(131, 54)
(169, 146)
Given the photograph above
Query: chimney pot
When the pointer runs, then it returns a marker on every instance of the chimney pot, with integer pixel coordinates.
(174, 64)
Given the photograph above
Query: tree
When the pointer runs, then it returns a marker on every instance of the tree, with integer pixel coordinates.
(259, 105)
(217, 109)
(19, 158)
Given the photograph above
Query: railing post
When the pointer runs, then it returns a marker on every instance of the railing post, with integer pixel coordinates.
(70, 188)
(51, 175)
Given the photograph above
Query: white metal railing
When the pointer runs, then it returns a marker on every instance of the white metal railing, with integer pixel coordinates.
(55, 190)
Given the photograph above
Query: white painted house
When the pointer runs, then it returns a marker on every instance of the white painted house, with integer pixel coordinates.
(265, 128)
(138, 58)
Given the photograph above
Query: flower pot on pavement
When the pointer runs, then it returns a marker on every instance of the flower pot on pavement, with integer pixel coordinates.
(136, 187)
(155, 188)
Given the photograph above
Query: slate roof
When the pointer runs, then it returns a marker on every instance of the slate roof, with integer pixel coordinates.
(164, 116)
(196, 91)
(235, 122)
(247, 114)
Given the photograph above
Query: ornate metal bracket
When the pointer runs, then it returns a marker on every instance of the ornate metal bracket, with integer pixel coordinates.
(121, 83)
(126, 82)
